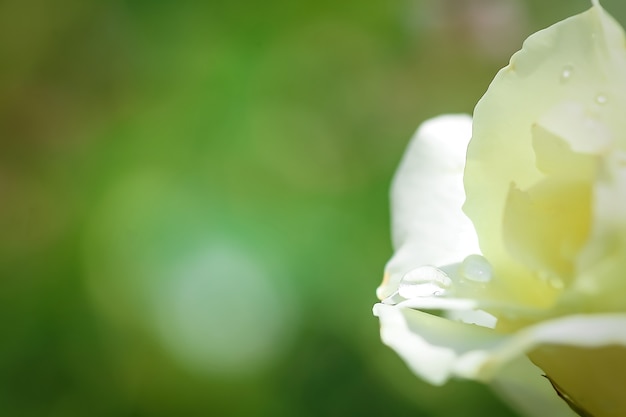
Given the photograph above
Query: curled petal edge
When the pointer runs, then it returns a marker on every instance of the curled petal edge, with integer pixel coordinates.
(438, 349)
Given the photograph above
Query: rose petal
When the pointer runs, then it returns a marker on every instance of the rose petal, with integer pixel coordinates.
(568, 81)
(521, 385)
(428, 225)
(602, 261)
(588, 331)
(438, 349)
(584, 356)
(431, 346)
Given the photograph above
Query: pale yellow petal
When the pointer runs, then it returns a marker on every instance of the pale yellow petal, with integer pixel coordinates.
(521, 384)
(567, 82)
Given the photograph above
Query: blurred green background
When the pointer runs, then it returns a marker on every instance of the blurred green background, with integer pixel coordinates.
(194, 198)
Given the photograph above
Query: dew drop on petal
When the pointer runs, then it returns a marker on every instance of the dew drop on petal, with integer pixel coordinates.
(566, 73)
(425, 281)
(551, 279)
(393, 299)
(476, 268)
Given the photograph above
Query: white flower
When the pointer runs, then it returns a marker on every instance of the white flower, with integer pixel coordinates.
(532, 265)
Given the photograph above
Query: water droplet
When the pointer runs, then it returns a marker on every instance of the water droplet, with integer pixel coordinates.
(601, 99)
(552, 280)
(566, 73)
(477, 268)
(393, 299)
(425, 281)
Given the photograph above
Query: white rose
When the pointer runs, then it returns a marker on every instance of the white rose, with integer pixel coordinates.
(535, 270)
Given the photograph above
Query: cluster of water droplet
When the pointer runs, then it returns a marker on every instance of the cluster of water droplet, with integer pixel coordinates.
(566, 75)
(429, 281)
